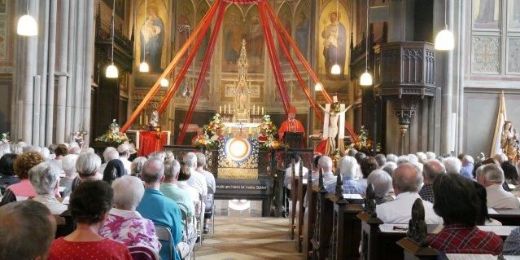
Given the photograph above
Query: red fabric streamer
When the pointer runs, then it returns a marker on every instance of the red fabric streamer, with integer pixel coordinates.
(297, 51)
(244, 2)
(204, 69)
(182, 73)
(294, 68)
(275, 62)
(155, 88)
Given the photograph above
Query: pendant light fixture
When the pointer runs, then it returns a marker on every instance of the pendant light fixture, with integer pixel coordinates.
(164, 82)
(27, 25)
(366, 77)
(143, 67)
(318, 86)
(444, 41)
(111, 71)
(336, 69)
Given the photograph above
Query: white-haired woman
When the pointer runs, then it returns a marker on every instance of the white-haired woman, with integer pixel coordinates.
(45, 179)
(87, 167)
(68, 164)
(124, 223)
(381, 181)
(137, 166)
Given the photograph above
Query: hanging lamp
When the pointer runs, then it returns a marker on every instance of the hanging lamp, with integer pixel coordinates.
(366, 77)
(144, 67)
(318, 86)
(445, 41)
(111, 71)
(27, 25)
(164, 82)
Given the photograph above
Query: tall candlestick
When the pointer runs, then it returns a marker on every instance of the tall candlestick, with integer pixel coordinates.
(220, 109)
(263, 112)
(253, 109)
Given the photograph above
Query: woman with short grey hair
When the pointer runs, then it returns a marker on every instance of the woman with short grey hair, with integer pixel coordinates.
(45, 178)
(137, 166)
(87, 165)
(381, 181)
(124, 223)
(68, 164)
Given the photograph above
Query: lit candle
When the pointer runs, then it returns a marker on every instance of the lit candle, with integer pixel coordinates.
(263, 112)
(253, 109)
(220, 109)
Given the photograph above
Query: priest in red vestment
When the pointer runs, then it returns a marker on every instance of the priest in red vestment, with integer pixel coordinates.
(291, 124)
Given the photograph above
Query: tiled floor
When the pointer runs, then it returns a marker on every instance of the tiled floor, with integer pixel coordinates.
(242, 237)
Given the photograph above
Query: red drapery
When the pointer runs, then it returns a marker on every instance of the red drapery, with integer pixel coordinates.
(155, 88)
(202, 75)
(151, 141)
(275, 63)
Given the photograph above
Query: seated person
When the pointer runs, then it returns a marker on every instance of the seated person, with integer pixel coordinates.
(68, 164)
(292, 124)
(137, 166)
(171, 190)
(23, 189)
(288, 172)
(457, 202)
(7, 175)
(157, 207)
(113, 170)
(45, 178)
(182, 183)
(89, 205)
(491, 176)
(88, 169)
(367, 166)
(483, 218)
(124, 224)
(381, 181)
(212, 187)
(512, 243)
(406, 182)
(109, 154)
(468, 163)
(325, 164)
(431, 170)
(27, 229)
(347, 168)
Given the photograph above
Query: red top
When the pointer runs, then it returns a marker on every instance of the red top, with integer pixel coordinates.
(243, 1)
(466, 240)
(103, 249)
(290, 125)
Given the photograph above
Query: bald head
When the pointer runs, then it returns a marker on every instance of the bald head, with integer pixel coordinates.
(431, 170)
(406, 178)
(153, 171)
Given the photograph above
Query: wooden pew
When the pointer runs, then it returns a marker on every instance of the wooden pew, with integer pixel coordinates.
(322, 228)
(309, 219)
(347, 230)
(508, 217)
(300, 197)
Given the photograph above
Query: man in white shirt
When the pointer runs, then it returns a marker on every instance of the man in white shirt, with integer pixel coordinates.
(289, 173)
(406, 182)
(325, 163)
(491, 176)
(125, 150)
(212, 187)
(197, 180)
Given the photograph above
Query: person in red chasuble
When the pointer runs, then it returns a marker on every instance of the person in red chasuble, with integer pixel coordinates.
(291, 124)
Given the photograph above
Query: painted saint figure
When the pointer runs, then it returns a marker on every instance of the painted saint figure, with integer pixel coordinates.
(335, 42)
(509, 141)
(152, 37)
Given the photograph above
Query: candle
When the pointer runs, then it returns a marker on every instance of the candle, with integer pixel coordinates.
(250, 131)
(253, 109)
(263, 112)
(220, 109)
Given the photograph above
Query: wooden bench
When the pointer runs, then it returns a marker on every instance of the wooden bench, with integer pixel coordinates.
(508, 217)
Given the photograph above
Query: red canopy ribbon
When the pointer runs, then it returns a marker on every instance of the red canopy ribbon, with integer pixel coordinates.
(205, 24)
(243, 2)
(275, 63)
(204, 69)
(156, 86)
(294, 68)
(297, 51)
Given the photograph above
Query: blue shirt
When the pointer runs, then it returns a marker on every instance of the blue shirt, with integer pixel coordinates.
(512, 243)
(467, 171)
(164, 211)
(350, 186)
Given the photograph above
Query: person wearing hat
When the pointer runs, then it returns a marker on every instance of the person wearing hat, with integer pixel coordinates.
(291, 124)
(125, 150)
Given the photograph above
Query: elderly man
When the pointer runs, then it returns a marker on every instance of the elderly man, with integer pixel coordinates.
(157, 207)
(381, 181)
(431, 170)
(406, 181)
(491, 176)
(125, 150)
(325, 164)
(348, 167)
(467, 166)
(452, 165)
(197, 180)
(212, 188)
(171, 190)
(45, 178)
(289, 174)
(27, 230)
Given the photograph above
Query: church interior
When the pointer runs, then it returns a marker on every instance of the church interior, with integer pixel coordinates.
(259, 129)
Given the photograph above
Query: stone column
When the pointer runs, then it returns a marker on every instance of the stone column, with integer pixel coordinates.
(62, 72)
(89, 64)
(49, 126)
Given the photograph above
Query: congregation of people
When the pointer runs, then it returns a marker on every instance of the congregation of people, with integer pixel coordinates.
(457, 193)
(116, 205)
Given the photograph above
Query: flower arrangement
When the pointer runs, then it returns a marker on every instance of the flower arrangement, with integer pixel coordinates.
(203, 140)
(113, 136)
(4, 138)
(267, 131)
(363, 144)
(216, 126)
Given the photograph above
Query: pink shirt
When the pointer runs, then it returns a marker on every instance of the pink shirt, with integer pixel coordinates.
(22, 190)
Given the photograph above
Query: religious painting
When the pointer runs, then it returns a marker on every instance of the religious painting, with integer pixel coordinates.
(255, 91)
(302, 27)
(184, 24)
(486, 14)
(333, 39)
(242, 24)
(152, 37)
(120, 7)
(514, 15)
